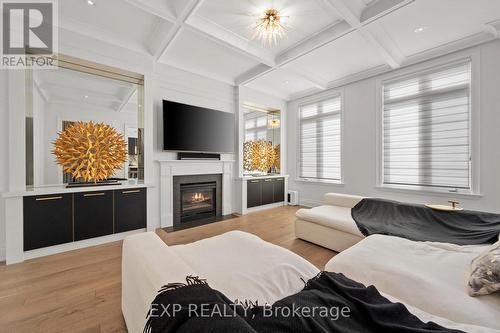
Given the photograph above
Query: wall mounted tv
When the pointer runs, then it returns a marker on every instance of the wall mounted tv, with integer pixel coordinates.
(191, 128)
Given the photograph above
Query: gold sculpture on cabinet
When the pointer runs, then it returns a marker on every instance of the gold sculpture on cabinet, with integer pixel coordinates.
(89, 151)
(258, 155)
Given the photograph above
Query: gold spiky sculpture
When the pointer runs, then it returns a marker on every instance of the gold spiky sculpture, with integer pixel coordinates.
(89, 151)
(258, 155)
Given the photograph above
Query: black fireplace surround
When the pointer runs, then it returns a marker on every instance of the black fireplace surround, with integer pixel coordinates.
(197, 199)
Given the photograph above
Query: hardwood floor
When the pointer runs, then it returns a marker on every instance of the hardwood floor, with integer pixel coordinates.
(80, 291)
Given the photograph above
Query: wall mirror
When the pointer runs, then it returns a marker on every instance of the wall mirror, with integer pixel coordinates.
(80, 92)
(261, 145)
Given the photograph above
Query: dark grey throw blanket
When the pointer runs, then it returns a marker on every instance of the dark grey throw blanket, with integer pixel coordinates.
(420, 223)
(195, 307)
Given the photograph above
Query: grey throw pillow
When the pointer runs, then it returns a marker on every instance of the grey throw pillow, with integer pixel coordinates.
(485, 272)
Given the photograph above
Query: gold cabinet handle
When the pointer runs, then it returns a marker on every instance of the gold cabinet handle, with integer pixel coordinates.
(131, 191)
(49, 198)
(94, 194)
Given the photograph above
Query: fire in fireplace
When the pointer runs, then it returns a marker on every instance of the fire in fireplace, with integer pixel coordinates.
(197, 199)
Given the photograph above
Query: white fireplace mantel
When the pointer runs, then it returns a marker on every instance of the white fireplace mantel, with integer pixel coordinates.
(171, 168)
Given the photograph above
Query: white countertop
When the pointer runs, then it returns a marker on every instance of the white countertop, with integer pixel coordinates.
(56, 189)
(262, 177)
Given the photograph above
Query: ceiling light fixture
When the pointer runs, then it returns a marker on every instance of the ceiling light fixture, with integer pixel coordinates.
(270, 26)
(420, 29)
(90, 2)
(86, 96)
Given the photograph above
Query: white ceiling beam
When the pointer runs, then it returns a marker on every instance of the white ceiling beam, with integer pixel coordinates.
(381, 8)
(314, 42)
(391, 56)
(146, 6)
(253, 74)
(127, 98)
(228, 38)
(190, 7)
(316, 82)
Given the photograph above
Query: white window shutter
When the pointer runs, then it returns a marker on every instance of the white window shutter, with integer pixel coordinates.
(426, 128)
(320, 140)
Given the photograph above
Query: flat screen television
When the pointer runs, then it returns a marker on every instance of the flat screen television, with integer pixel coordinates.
(189, 128)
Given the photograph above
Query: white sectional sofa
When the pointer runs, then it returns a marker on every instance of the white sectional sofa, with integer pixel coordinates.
(242, 266)
(430, 277)
(331, 224)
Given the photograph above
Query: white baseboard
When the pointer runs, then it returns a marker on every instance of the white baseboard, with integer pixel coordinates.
(310, 203)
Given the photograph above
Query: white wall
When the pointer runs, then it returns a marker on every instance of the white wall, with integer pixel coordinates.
(3, 155)
(360, 143)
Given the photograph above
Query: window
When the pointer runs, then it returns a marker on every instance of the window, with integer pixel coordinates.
(427, 129)
(320, 140)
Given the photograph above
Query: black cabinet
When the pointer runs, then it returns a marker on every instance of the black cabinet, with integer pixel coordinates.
(63, 218)
(254, 193)
(130, 209)
(93, 214)
(265, 191)
(279, 190)
(48, 220)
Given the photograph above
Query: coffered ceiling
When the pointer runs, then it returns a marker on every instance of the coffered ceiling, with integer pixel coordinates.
(327, 43)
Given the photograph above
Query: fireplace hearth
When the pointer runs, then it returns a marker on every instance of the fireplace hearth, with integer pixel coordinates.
(197, 200)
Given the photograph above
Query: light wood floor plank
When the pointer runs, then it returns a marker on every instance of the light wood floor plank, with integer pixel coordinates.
(80, 291)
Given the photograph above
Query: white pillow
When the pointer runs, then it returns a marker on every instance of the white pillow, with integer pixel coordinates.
(485, 272)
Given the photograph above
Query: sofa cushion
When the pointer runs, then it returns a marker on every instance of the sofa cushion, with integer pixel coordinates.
(428, 276)
(335, 217)
(244, 267)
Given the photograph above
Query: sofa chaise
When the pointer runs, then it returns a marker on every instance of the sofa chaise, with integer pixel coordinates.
(331, 224)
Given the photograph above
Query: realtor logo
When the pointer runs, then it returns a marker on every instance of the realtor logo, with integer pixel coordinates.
(29, 33)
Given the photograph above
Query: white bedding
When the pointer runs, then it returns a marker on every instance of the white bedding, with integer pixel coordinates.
(431, 277)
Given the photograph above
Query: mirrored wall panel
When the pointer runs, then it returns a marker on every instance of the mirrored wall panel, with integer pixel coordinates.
(261, 146)
(60, 98)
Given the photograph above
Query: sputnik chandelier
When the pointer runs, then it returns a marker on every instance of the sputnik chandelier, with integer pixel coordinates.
(270, 26)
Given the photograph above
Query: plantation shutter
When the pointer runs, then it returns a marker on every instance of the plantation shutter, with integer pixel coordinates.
(320, 140)
(426, 128)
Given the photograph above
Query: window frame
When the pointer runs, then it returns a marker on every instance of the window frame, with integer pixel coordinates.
(308, 101)
(474, 116)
